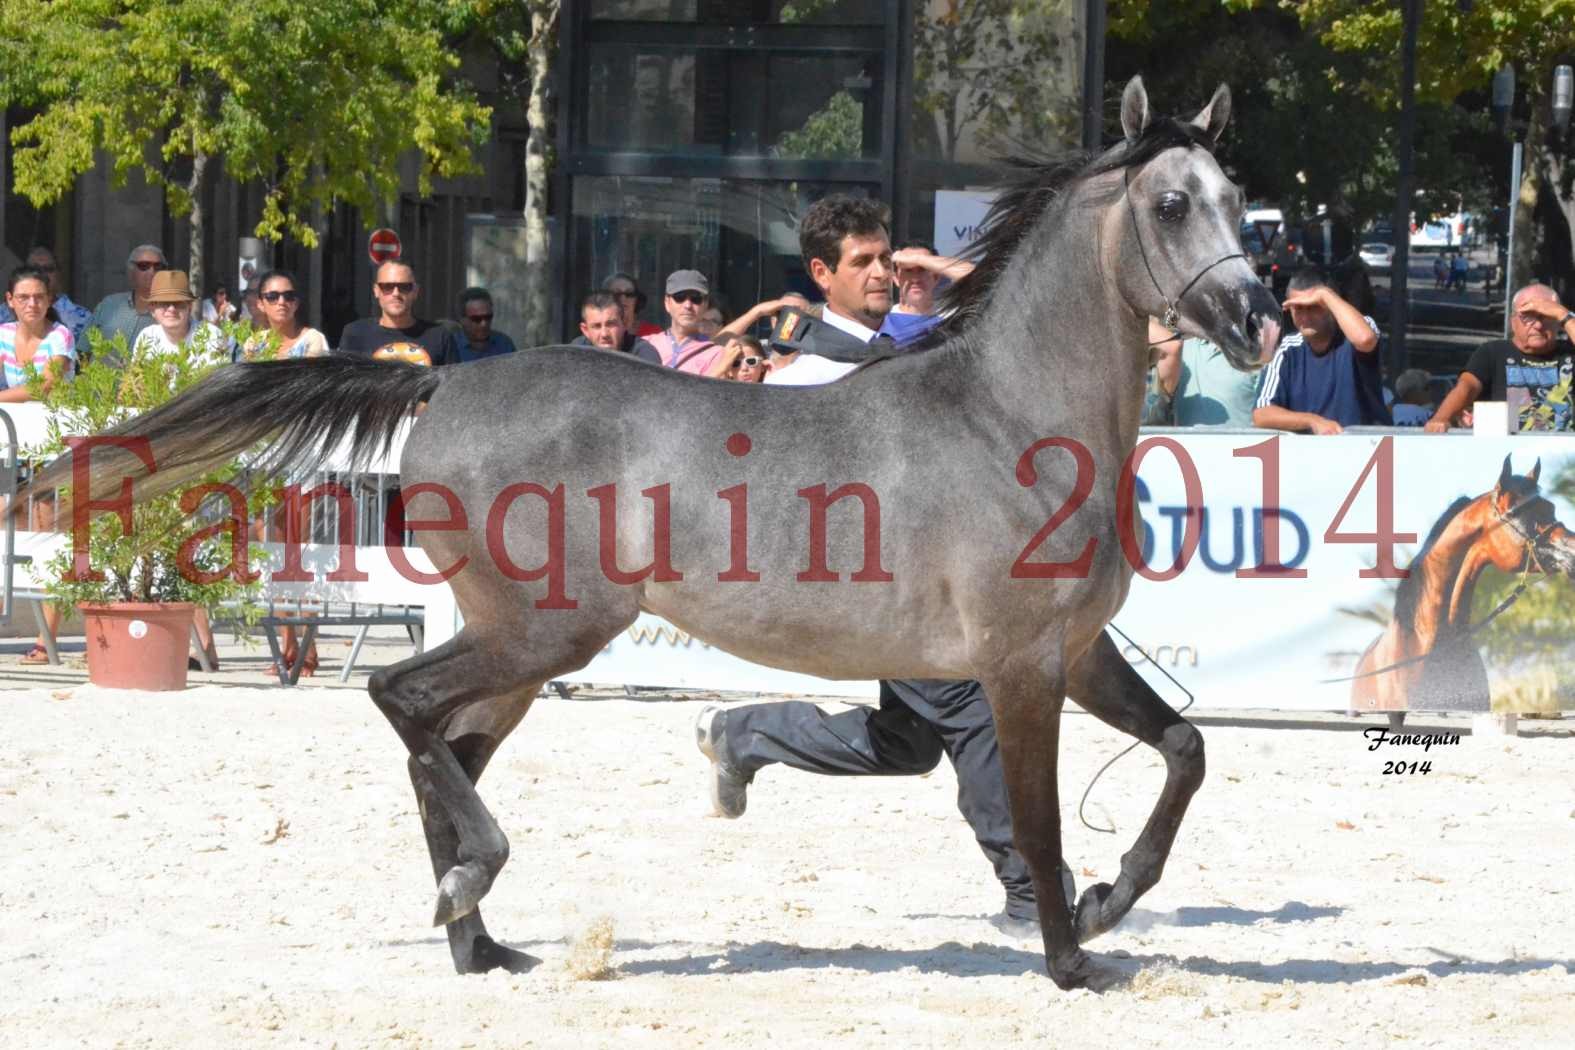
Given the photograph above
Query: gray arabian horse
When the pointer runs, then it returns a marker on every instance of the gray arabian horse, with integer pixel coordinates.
(563, 464)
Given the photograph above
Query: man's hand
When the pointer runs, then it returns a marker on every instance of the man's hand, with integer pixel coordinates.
(776, 306)
(1550, 310)
(1436, 426)
(1308, 297)
(945, 265)
(1320, 425)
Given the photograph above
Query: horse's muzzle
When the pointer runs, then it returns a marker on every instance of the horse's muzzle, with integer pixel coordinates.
(1253, 334)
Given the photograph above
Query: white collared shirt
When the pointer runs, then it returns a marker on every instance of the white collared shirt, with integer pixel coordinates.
(812, 369)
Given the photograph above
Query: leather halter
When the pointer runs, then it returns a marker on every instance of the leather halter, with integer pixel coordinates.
(1171, 306)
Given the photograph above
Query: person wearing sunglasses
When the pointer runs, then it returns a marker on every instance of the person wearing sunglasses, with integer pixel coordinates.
(176, 327)
(396, 291)
(127, 313)
(475, 320)
(1533, 370)
(289, 336)
(631, 300)
(742, 359)
(684, 346)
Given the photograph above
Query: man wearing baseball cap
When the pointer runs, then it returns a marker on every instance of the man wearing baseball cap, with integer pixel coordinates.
(682, 345)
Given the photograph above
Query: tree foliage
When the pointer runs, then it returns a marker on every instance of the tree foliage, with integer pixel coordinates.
(164, 556)
(522, 36)
(317, 101)
(1309, 125)
(996, 68)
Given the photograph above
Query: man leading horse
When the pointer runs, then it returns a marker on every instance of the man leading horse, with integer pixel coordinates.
(962, 508)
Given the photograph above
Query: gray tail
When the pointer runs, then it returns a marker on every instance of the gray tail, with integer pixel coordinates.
(286, 414)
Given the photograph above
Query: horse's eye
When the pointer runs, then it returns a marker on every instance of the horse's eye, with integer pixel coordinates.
(1173, 206)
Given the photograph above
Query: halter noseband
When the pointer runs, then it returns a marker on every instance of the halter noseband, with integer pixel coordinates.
(1532, 540)
(1171, 307)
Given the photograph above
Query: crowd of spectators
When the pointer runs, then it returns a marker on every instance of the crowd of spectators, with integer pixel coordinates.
(1323, 377)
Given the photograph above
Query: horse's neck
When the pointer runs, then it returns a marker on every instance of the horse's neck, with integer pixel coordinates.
(1057, 348)
(1449, 574)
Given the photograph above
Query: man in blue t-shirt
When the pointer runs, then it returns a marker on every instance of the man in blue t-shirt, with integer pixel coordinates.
(1324, 376)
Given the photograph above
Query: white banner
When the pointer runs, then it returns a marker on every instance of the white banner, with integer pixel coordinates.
(1271, 642)
(958, 214)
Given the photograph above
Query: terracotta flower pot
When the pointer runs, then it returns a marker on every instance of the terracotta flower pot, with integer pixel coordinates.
(138, 645)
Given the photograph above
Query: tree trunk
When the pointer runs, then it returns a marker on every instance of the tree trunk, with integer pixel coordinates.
(538, 299)
(199, 171)
(1559, 185)
(1524, 265)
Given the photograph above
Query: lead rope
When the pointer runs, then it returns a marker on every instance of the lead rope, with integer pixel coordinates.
(1111, 830)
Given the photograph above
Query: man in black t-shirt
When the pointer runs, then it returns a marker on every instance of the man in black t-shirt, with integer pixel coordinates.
(1531, 371)
(396, 291)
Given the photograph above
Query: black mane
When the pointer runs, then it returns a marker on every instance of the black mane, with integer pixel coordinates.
(1029, 185)
(1407, 591)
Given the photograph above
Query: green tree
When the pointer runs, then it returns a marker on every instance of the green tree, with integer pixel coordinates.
(317, 101)
(999, 68)
(1459, 48)
(1301, 135)
(522, 36)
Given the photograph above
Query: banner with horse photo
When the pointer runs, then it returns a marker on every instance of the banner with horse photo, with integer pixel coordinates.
(1408, 572)
(1414, 572)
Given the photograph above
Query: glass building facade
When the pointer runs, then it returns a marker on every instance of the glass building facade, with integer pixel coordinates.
(692, 134)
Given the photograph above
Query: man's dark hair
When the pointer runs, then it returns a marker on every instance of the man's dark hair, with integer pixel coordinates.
(832, 218)
(473, 295)
(1308, 276)
(597, 301)
(923, 245)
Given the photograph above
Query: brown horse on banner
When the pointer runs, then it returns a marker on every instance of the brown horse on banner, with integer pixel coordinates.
(1427, 658)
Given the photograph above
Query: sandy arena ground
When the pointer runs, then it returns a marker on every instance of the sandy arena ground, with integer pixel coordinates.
(243, 866)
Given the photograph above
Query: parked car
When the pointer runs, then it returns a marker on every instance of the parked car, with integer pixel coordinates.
(1257, 254)
(1377, 255)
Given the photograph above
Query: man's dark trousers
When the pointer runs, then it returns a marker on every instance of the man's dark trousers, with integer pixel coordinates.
(916, 721)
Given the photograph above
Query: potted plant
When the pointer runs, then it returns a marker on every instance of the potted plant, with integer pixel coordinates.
(140, 590)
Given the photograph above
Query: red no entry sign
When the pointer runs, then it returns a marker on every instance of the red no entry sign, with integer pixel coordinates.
(382, 246)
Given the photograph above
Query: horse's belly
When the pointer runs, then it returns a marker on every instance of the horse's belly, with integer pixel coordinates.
(823, 642)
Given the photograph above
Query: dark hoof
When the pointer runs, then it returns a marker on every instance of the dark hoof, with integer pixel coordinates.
(487, 954)
(460, 892)
(1089, 921)
(1083, 970)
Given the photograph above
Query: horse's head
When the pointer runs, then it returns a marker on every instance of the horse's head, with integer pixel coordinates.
(1175, 243)
(1530, 530)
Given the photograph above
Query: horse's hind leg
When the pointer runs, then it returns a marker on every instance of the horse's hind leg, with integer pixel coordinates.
(473, 734)
(1106, 686)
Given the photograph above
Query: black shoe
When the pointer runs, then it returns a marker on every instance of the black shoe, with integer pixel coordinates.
(728, 787)
(1019, 926)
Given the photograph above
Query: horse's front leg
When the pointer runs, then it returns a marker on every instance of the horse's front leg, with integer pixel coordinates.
(1106, 686)
(1026, 703)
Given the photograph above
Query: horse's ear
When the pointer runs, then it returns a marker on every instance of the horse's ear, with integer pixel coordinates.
(1536, 470)
(1508, 472)
(1212, 117)
(1134, 109)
